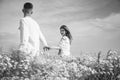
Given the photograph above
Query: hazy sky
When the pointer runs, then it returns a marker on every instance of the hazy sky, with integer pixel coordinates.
(94, 24)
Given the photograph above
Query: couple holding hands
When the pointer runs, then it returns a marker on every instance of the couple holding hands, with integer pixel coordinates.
(31, 35)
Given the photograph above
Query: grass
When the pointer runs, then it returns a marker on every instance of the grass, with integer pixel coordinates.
(15, 66)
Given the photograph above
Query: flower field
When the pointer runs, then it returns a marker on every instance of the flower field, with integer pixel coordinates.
(16, 66)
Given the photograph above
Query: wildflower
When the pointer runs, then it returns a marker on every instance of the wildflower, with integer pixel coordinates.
(1, 57)
(118, 76)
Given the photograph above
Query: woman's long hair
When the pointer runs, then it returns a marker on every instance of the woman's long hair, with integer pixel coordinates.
(68, 34)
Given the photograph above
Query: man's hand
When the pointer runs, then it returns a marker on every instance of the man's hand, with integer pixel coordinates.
(46, 48)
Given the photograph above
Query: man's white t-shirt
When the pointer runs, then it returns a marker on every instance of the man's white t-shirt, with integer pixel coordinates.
(30, 35)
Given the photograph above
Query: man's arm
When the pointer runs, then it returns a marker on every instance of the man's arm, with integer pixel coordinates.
(42, 38)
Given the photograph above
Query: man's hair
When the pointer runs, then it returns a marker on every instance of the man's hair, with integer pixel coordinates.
(28, 5)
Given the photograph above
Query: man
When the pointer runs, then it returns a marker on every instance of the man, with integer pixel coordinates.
(30, 33)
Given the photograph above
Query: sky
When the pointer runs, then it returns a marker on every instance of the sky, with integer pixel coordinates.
(94, 24)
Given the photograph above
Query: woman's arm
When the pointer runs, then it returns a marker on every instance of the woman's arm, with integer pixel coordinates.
(55, 47)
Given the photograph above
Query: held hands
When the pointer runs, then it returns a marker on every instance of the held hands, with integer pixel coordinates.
(46, 48)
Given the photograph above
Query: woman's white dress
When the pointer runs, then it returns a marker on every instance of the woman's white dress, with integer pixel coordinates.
(64, 44)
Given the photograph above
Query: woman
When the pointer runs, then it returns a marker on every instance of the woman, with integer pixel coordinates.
(65, 42)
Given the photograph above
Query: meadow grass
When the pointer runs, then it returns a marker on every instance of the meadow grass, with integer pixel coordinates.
(14, 65)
